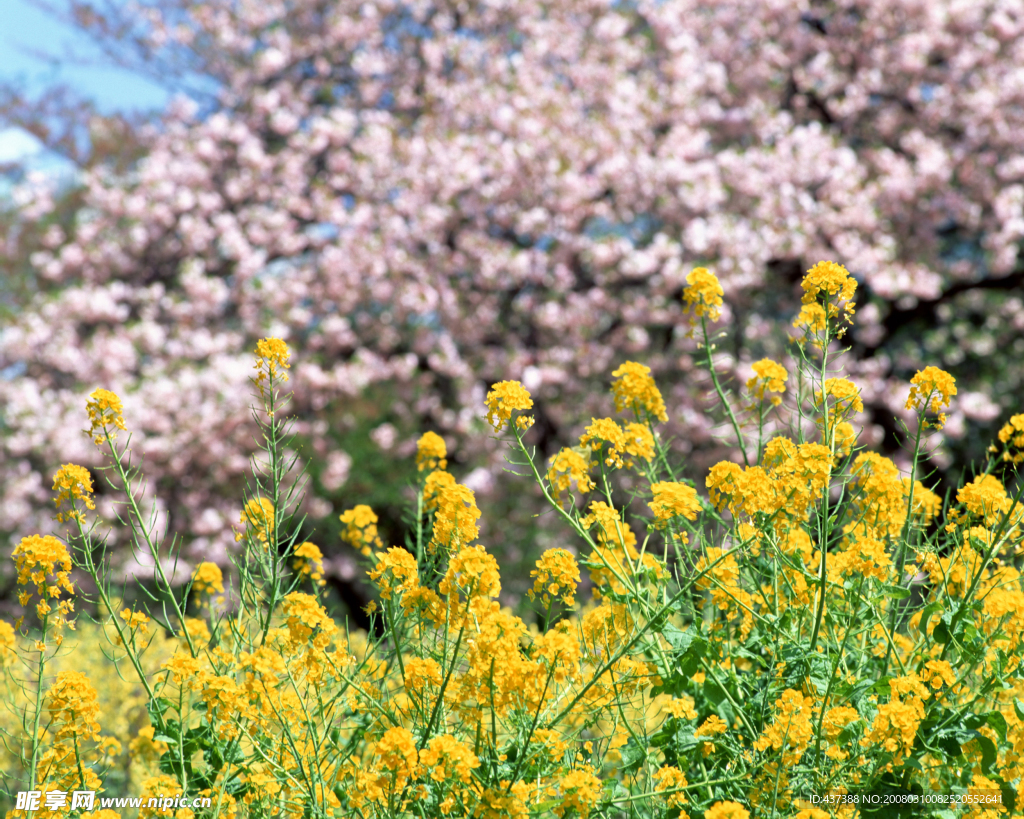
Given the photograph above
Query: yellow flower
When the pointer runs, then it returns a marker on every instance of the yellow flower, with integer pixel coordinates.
(673, 499)
(632, 440)
(769, 376)
(104, 408)
(931, 390)
(135, 620)
(420, 671)
(447, 758)
(307, 620)
(455, 512)
(183, 667)
(704, 293)
(258, 518)
(556, 574)
(669, 778)
(937, 673)
(431, 453)
(309, 562)
(74, 707)
(845, 438)
(207, 579)
(473, 572)
(271, 357)
(825, 282)
(398, 757)
(8, 643)
(712, 726)
(844, 393)
(73, 483)
(360, 528)
(985, 497)
(581, 791)
(634, 389)
(43, 561)
(727, 810)
(505, 398)
(568, 465)
(396, 571)
(791, 730)
(1012, 437)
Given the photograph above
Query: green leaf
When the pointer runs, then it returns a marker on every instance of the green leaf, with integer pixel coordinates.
(157, 708)
(926, 615)
(997, 722)
(1018, 706)
(633, 756)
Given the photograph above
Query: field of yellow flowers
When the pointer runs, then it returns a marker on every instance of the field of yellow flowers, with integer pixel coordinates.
(819, 635)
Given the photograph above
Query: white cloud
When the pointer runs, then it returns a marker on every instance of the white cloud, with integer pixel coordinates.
(17, 145)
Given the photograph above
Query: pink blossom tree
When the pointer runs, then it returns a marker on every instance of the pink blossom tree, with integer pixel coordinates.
(427, 197)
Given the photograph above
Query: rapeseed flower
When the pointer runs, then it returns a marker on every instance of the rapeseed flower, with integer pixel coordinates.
(703, 294)
(556, 574)
(271, 360)
(309, 562)
(1012, 438)
(104, 408)
(207, 579)
(624, 443)
(360, 529)
(570, 466)
(455, 512)
(431, 452)
(258, 519)
(826, 286)
(505, 398)
(73, 483)
(931, 390)
(769, 376)
(43, 561)
(634, 389)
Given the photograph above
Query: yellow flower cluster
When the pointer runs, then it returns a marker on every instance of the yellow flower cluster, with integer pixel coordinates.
(634, 389)
(895, 726)
(43, 561)
(136, 621)
(556, 574)
(624, 443)
(455, 512)
(207, 579)
(307, 621)
(580, 791)
(505, 398)
(703, 294)
(258, 519)
(673, 500)
(272, 356)
(360, 529)
(431, 452)
(72, 483)
(568, 466)
(931, 390)
(1012, 438)
(792, 728)
(769, 376)
(826, 286)
(104, 409)
(472, 572)
(395, 572)
(309, 562)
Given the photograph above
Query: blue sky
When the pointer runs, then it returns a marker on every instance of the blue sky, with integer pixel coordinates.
(23, 26)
